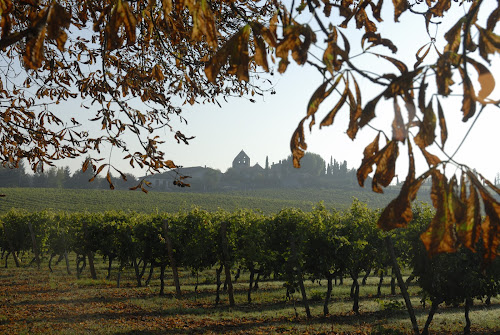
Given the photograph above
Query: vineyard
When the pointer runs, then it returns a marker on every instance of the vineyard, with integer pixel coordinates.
(241, 254)
(268, 201)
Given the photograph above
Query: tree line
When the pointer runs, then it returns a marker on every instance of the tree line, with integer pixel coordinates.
(291, 246)
(314, 173)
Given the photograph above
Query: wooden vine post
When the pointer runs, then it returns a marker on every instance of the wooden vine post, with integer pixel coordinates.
(402, 284)
(226, 262)
(173, 263)
(90, 254)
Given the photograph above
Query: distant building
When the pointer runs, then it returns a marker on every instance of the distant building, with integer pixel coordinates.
(241, 160)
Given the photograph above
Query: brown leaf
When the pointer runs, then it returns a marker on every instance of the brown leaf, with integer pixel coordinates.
(426, 134)
(469, 97)
(440, 7)
(121, 15)
(386, 166)
(399, 212)
(170, 164)
(420, 59)
(397, 63)
(376, 39)
(485, 78)
(489, 43)
(369, 156)
(260, 55)
(34, 54)
(491, 224)
(317, 98)
(58, 20)
(431, 159)
(398, 126)
(203, 22)
(442, 124)
(298, 144)
(328, 119)
(440, 235)
(399, 7)
(452, 36)
(108, 179)
(157, 73)
(493, 19)
(369, 111)
(468, 231)
(355, 113)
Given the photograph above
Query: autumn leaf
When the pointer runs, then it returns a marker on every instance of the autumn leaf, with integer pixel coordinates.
(442, 124)
(399, 7)
(420, 58)
(328, 119)
(121, 15)
(440, 7)
(440, 236)
(398, 126)
(398, 213)
(485, 78)
(369, 155)
(57, 21)
(468, 231)
(489, 43)
(426, 134)
(170, 164)
(203, 22)
(355, 112)
(298, 144)
(491, 224)
(452, 36)
(369, 111)
(376, 39)
(386, 166)
(34, 54)
(260, 55)
(469, 97)
(397, 63)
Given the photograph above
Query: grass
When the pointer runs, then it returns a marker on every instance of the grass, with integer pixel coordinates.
(268, 201)
(36, 301)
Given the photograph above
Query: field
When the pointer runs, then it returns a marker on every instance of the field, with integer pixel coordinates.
(267, 201)
(36, 301)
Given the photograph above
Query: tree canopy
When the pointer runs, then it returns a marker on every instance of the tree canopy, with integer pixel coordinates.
(133, 64)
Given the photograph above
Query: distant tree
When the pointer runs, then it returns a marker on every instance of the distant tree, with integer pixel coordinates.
(10, 176)
(312, 164)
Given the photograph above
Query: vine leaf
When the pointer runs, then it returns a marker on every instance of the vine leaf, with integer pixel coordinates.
(442, 124)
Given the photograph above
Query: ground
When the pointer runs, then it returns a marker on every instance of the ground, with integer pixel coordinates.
(36, 301)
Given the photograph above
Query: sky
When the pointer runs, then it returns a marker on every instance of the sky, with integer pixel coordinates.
(264, 128)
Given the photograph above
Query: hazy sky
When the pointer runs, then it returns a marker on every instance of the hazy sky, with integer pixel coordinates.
(264, 128)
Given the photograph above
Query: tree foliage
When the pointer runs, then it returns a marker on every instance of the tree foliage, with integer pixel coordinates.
(115, 54)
